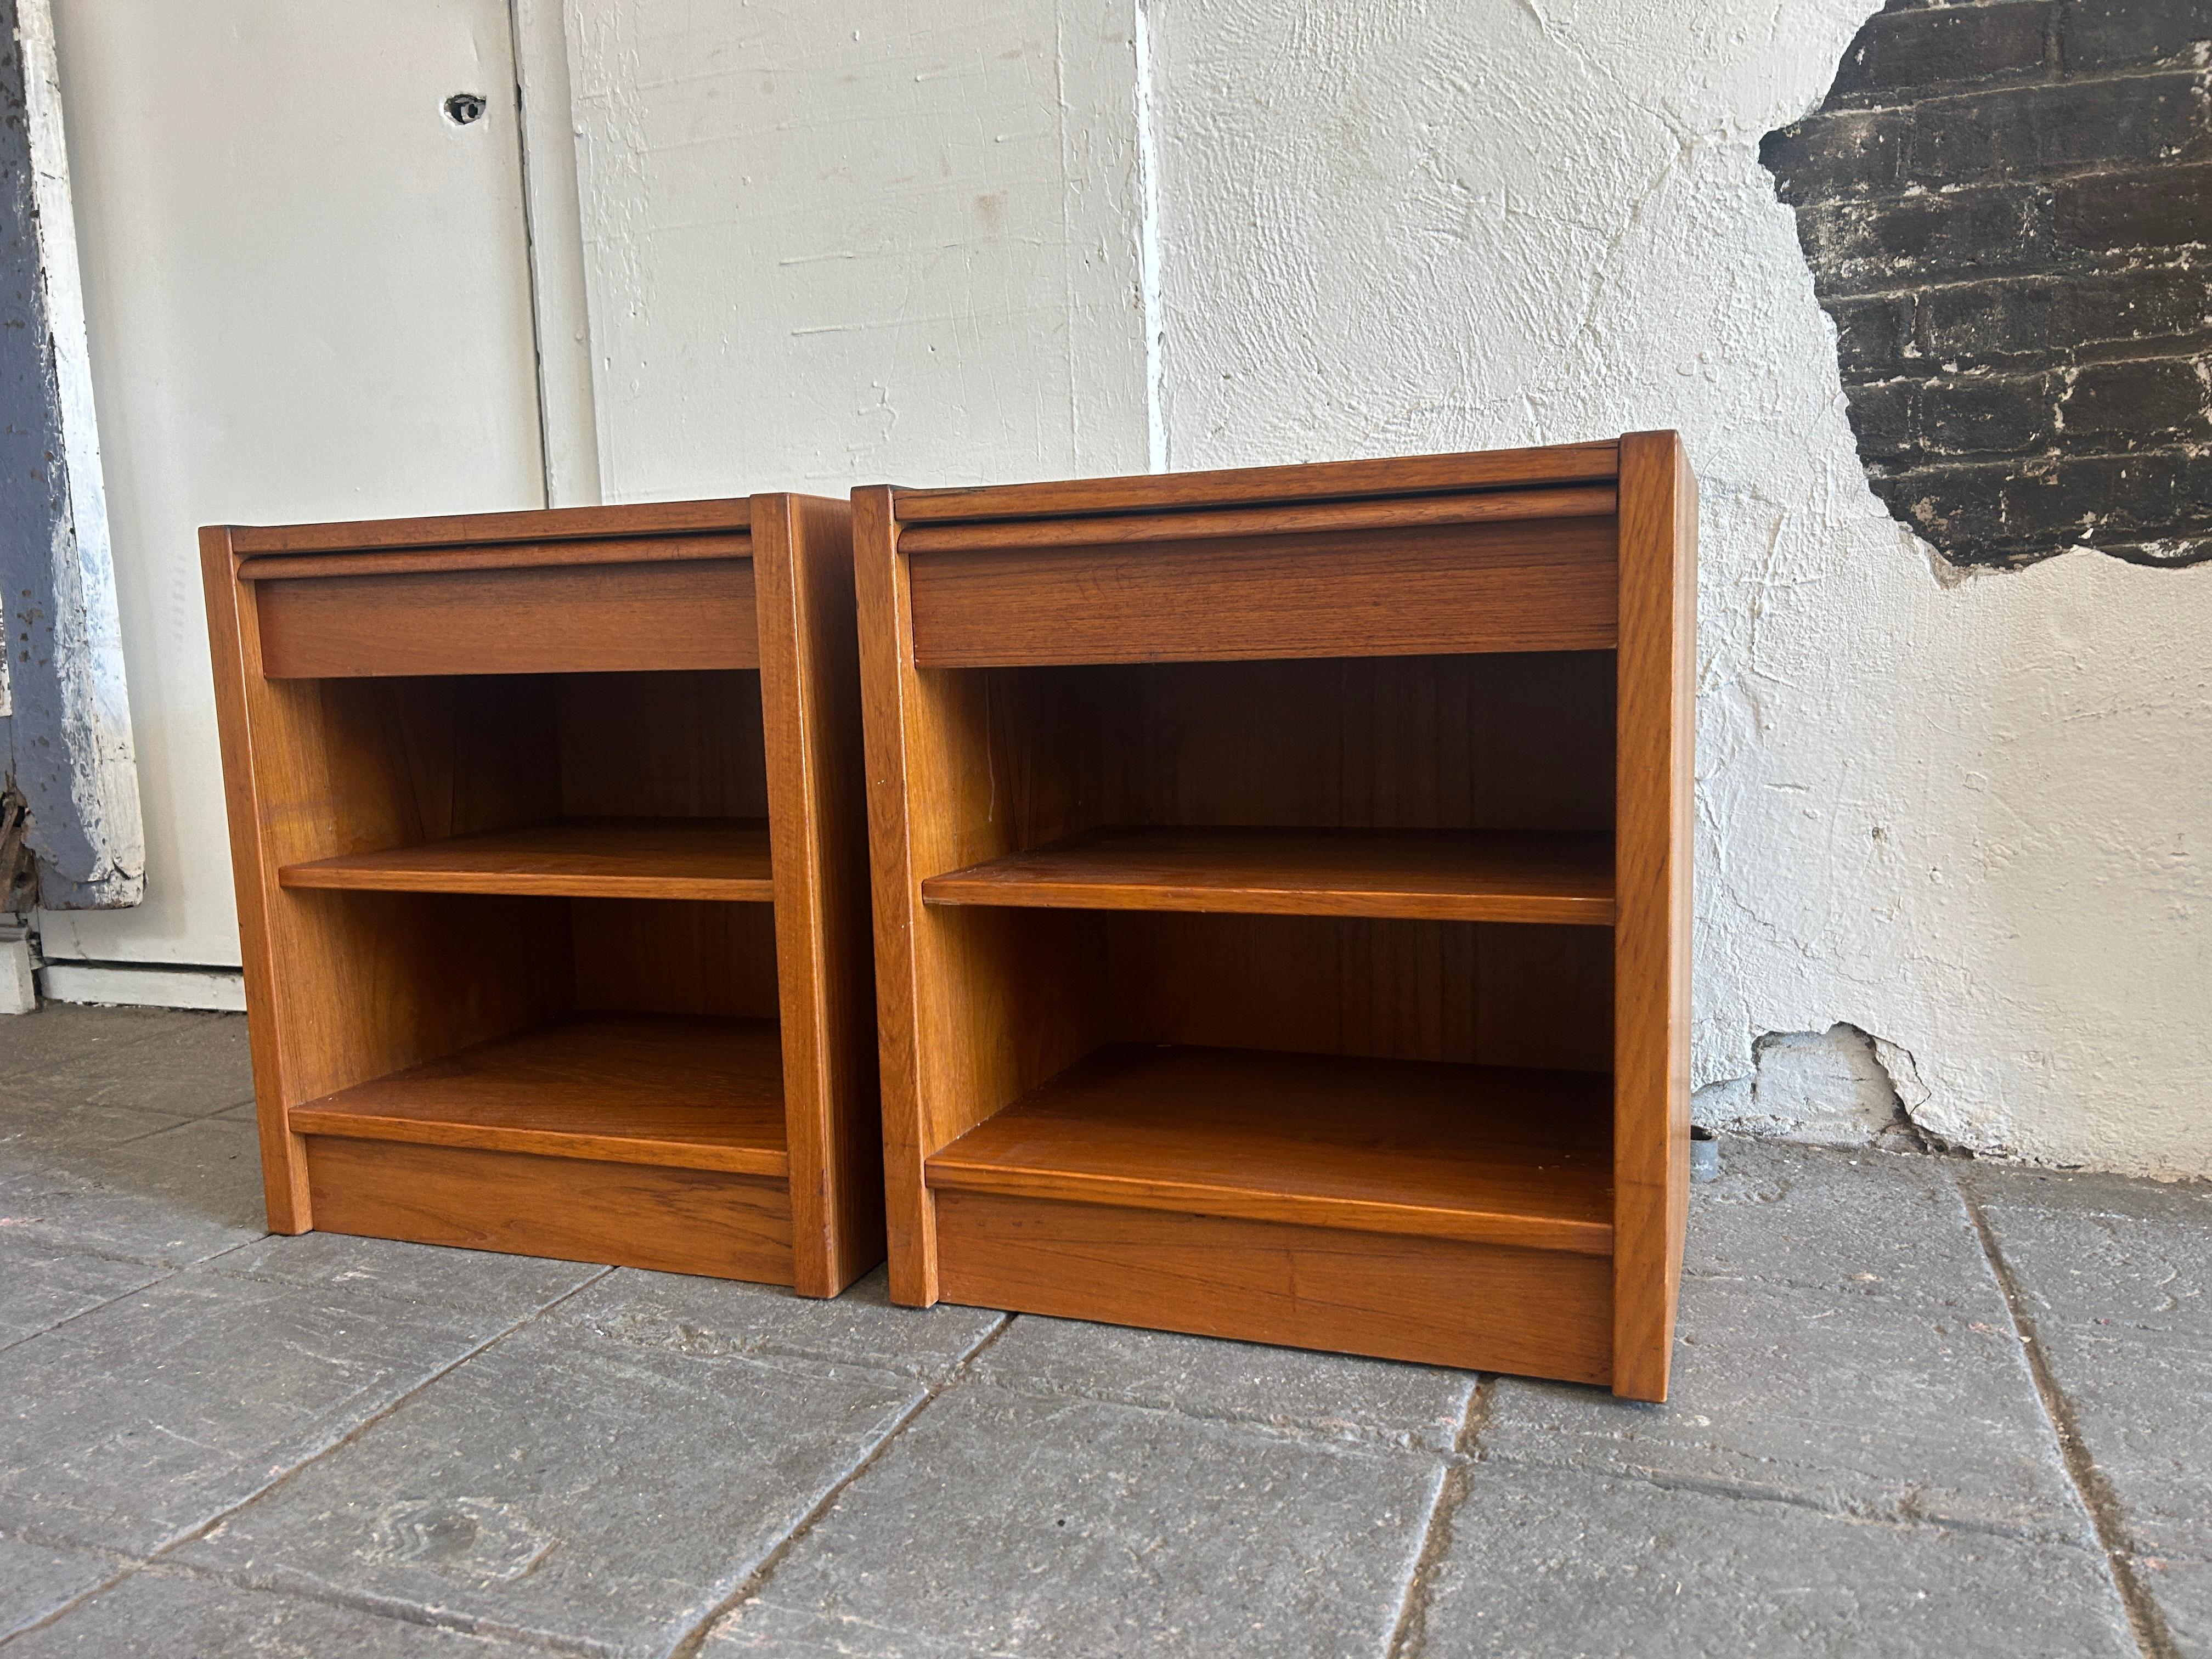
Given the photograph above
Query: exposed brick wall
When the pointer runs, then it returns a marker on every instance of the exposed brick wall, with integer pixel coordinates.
(2007, 211)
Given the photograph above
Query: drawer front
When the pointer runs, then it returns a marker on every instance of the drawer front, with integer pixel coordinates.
(572, 619)
(1548, 585)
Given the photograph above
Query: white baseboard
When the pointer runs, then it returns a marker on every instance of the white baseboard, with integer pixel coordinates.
(145, 985)
(19, 990)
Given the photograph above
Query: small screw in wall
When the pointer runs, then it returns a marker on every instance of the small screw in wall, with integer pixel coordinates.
(465, 107)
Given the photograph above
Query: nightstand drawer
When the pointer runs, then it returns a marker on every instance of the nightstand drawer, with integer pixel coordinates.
(1544, 584)
(575, 618)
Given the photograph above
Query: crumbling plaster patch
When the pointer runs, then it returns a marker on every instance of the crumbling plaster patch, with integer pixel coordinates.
(1968, 818)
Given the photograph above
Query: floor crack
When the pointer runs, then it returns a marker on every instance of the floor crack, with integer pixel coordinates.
(695, 1638)
(1409, 1635)
(2145, 1617)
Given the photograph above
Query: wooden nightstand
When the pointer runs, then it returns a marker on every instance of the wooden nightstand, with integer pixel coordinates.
(551, 858)
(1282, 900)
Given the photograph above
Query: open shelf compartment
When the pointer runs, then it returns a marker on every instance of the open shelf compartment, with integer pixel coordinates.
(681, 1091)
(1483, 1154)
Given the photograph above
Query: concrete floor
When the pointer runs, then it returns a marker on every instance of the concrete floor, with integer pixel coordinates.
(1922, 1406)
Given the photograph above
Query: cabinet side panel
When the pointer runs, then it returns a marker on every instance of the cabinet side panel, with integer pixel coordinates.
(1651, 977)
(887, 692)
(818, 818)
(235, 652)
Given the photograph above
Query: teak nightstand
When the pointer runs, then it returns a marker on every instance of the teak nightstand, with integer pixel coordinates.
(1282, 900)
(551, 875)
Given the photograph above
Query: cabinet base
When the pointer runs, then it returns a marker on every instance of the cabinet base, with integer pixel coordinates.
(629, 1215)
(1437, 1302)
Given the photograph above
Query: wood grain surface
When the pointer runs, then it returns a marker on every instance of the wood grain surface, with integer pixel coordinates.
(725, 859)
(1544, 586)
(476, 529)
(1430, 1301)
(1478, 1154)
(688, 1093)
(611, 619)
(1390, 512)
(667, 1220)
(1410, 475)
(1463, 875)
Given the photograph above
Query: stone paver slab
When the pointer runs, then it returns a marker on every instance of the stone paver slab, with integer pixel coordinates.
(2181, 1592)
(41, 1285)
(63, 1036)
(147, 1417)
(155, 1612)
(189, 1065)
(1894, 1405)
(1803, 1215)
(38, 1134)
(2104, 1251)
(148, 1216)
(2143, 1406)
(1332, 1396)
(569, 1485)
(35, 1581)
(1552, 1562)
(721, 1318)
(1003, 1523)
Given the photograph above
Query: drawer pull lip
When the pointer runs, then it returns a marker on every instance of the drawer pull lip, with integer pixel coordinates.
(1497, 508)
(1253, 486)
(519, 555)
(559, 524)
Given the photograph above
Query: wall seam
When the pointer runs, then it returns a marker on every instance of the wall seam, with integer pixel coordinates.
(1148, 249)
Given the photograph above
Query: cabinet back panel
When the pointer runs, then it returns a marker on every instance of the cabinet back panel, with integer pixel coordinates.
(675, 956)
(1486, 994)
(661, 745)
(1485, 742)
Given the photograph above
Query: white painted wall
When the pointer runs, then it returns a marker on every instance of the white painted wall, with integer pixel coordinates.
(828, 245)
(307, 298)
(1969, 819)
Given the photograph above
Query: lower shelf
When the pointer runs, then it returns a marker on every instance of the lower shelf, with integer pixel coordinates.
(671, 1091)
(1476, 1154)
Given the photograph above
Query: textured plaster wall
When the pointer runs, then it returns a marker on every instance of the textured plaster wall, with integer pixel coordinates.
(1968, 817)
(1951, 830)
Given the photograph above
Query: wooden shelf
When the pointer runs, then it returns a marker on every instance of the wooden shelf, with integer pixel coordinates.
(657, 1089)
(1480, 1154)
(578, 858)
(1447, 875)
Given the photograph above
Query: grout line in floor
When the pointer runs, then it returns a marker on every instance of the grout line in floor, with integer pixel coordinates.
(688, 1644)
(2146, 1619)
(161, 1276)
(286, 1586)
(1409, 1631)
